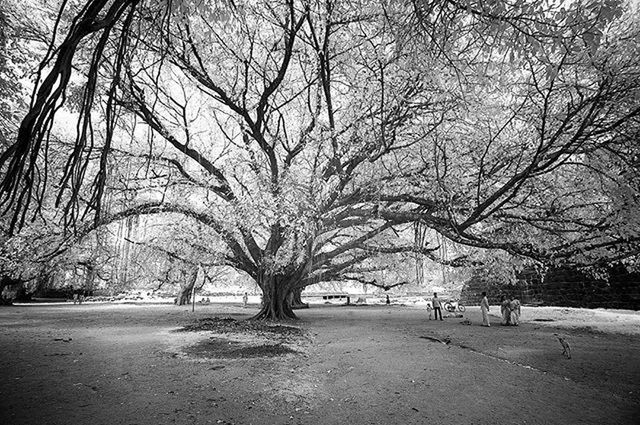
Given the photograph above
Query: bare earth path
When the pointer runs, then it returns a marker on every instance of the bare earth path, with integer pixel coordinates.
(123, 364)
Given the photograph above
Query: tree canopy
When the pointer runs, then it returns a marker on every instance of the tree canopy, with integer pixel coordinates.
(310, 138)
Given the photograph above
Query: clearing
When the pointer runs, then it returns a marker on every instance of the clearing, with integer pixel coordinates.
(160, 364)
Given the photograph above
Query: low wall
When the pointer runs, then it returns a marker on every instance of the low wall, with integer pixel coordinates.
(566, 287)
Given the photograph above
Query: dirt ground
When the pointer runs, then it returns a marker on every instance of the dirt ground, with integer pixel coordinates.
(127, 364)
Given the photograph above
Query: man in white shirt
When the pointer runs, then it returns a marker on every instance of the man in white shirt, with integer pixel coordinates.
(437, 307)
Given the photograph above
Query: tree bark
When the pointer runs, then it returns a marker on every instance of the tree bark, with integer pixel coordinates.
(275, 299)
(296, 299)
(186, 288)
(9, 289)
(183, 295)
(5, 299)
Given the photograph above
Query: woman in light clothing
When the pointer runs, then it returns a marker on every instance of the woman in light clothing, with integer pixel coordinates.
(484, 306)
(514, 307)
(505, 309)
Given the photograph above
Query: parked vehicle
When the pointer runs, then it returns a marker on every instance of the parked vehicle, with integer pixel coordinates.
(453, 305)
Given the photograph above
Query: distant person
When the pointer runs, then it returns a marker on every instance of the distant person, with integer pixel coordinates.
(484, 307)
(437, 307)
(514, 309)
(430, 310)
(78, 296)
(505, 310)
(245, 300)
(388, 300)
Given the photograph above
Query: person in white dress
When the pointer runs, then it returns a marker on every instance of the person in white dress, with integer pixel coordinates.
(484, 307)
(514, 307)
(505, 309)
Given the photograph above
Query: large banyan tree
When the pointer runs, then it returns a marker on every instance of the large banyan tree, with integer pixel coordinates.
(311, 136)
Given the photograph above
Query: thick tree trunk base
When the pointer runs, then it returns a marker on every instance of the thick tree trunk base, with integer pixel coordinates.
(275, 314)
(183, 298)
(277, 299)
(271, 316)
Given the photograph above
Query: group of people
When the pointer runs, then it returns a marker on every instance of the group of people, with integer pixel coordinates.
(509, 309)
(78, 295)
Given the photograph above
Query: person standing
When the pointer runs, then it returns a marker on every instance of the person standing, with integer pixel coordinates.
(245, 300)
(505, 309)
(437, 307)
(484, 307)
(514, 307)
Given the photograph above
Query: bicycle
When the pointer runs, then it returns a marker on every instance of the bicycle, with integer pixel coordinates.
(451, 306)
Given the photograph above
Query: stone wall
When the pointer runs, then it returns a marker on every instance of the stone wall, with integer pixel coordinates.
(569, 287)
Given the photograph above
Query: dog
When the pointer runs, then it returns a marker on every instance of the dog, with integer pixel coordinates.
(566, 348)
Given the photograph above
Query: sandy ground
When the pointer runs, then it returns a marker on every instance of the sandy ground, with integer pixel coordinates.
(125, 364)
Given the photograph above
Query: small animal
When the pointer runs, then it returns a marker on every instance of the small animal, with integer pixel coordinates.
(566, 348)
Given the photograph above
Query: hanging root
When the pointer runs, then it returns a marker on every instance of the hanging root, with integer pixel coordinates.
(24, 164)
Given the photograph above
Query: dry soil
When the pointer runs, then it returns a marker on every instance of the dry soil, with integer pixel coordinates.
(128, 364)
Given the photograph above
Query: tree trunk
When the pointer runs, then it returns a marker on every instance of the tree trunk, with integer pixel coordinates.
(183, 295)
(275, 302)
(5, 299)
(186, 288)
(296, 299)
(90, 278)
